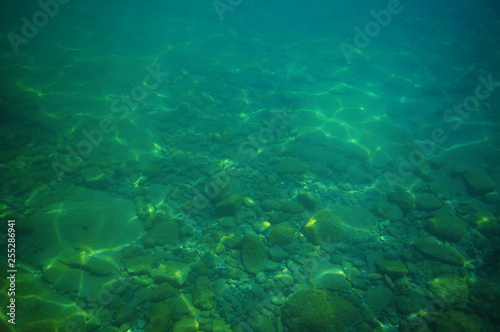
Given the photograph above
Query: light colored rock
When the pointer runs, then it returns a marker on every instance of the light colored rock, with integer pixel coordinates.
(175, 273)
(328, 276)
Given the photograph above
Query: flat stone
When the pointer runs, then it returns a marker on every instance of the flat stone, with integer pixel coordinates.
(428, 203)
(433, 249)
(380, 298)
(447, 227)
(392, 268)
(166, 232)
(175, 273)
(479, 183)
(186, 325)
(83, 218)
(95, 178)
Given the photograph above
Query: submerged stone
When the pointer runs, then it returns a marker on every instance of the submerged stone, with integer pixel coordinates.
(479, 183)
(313, 310)
(392, 268)
(282, 234)
(433, 249)
(252, 253)
(229, 205)
(447, 228)
(175, 273)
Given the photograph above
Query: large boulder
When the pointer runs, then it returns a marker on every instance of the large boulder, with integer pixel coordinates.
(313, 310)
(329, 227)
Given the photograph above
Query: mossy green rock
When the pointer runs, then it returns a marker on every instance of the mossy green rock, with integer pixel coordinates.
(433, 249)
(162, 292)
(328, 227)
(203, 297)
(95, 178)
(229, 205)
(175, 273)
(292, 207)
(186, 325)
(252, 253)
(314, 310)
(479, 183)
(161, 317)
(447, 228)
(450, 287)
(166, 232)
(428, 203)
(392, 268)
(140, 265)
(485, 222)
(261, 323)
(308, 200)
(100, 265)
(405, 200)
(232, 241)
(282, 234)
(153, 220)
(380, 298)
(469, 323)
(291, 165)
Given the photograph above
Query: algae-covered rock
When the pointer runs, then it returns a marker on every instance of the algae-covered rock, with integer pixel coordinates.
(162, 292)
(161, 317)
(314, 310)
(282, 234)
(186, 325)
(433, 249)
(485, 222)
(327, 276)
(252, 253)
(166, 232)
(203, 295)
(380, 298)
(329, 227)
(291, 165)
(428, 203)
(261, 323)
(308, 200)
(405, 200)
(392, 268)
(479, 183)
(232, 241)
(100, 265)
(95, 178)
(140, 265)
(277, 254)
(465, 322)
(63, 277)
(153, 220)
(175, 273)
(292, 207)
(446, 227)
(229, 205)
(449, 288)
